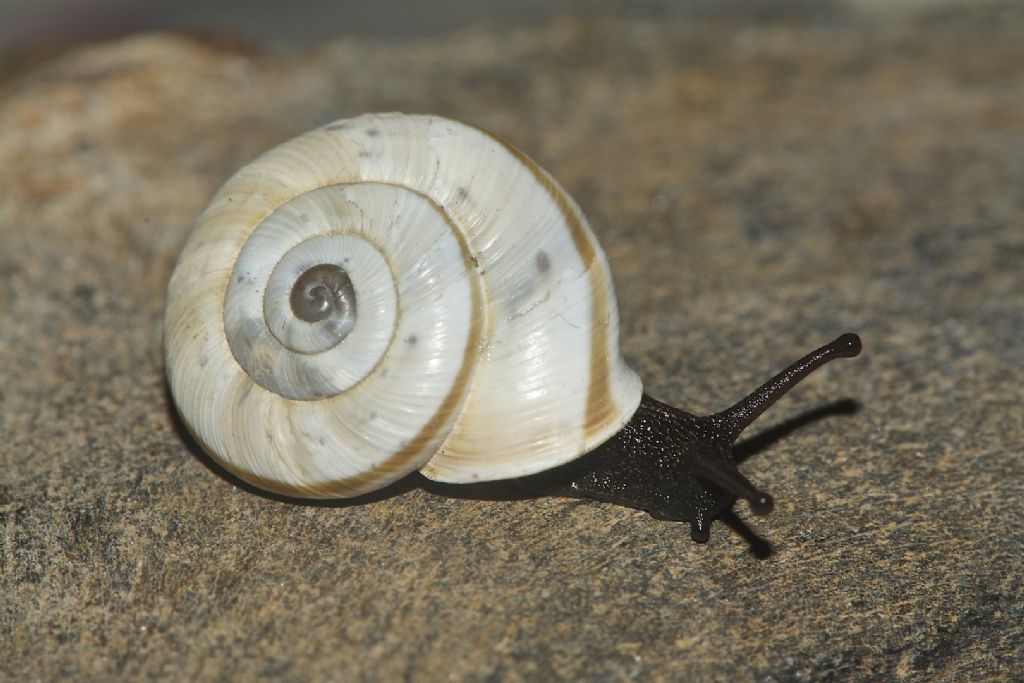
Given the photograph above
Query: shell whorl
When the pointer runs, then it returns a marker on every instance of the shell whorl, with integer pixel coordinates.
(389, 293)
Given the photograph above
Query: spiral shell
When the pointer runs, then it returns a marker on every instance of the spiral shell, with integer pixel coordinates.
(394, 292)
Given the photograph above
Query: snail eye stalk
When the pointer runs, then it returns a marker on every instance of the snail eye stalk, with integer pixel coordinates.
(742, 414)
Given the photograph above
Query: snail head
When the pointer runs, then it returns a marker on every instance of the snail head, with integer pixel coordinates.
(678, 466)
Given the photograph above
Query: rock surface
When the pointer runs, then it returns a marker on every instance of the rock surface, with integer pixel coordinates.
(761, 183)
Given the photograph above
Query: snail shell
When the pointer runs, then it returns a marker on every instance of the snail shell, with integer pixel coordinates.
(390, 293)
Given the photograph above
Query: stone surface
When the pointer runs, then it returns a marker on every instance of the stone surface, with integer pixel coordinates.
(761, 181)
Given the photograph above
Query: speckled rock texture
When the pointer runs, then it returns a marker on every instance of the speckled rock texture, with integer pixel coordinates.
(761, 180)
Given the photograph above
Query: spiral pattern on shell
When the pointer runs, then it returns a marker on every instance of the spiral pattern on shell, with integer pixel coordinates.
(388, 293)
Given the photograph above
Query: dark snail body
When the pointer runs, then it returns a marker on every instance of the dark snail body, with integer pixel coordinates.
(677, 466)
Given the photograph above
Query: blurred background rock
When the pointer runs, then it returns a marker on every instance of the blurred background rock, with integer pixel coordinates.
(31, 23)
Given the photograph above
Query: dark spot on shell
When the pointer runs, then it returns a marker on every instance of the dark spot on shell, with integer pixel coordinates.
(251, 332)
(240, 279)
(411, 340)
(543, 262)
(363, 154)
(383, 372)
(475, 260)
(461, 193)
(373, 416)
(372, 132)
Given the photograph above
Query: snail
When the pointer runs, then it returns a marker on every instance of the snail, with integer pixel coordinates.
(391, 293)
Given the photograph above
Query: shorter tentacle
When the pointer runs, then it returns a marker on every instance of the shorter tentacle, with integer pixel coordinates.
(700, 528)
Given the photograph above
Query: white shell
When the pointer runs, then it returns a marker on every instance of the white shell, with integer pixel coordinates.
(484, 343)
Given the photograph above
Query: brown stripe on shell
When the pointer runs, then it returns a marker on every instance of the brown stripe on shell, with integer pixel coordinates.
(599, 406)
(400, 460)
(460, 387)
